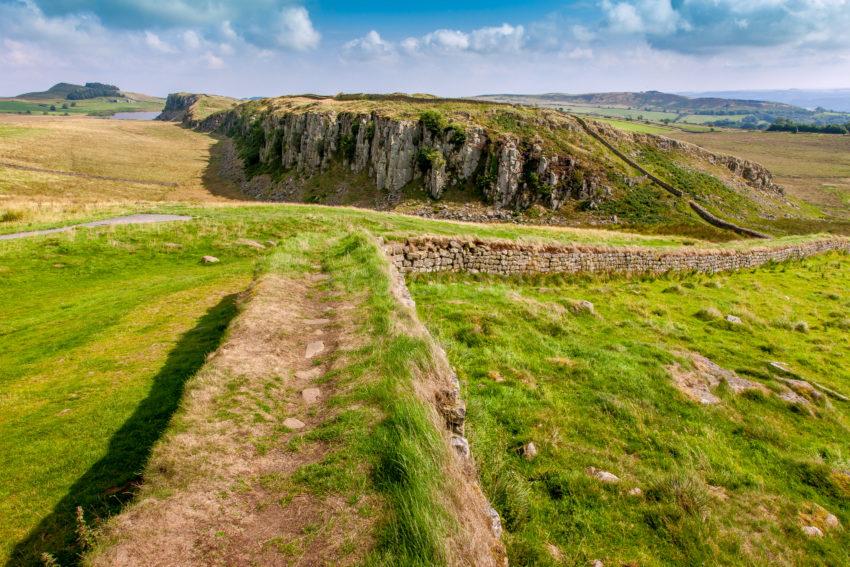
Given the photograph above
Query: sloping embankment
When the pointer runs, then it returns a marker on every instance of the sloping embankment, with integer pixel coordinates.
(701, 211)
(440, 254)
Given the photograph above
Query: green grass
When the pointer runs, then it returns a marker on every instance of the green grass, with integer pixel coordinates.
(113, 322)
(94, 107)
(93, 358)
(722, 484)
(640, 127)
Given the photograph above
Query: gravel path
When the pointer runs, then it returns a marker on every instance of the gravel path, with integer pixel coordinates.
(130, 219)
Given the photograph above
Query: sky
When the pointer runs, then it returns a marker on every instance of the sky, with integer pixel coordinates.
(450, 48)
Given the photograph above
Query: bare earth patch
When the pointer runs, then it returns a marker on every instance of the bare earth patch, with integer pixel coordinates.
(215, 491)
(699, 382)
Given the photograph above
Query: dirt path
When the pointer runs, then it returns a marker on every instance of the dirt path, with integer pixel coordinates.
(217, 489)
(86, 175)
(130, 219)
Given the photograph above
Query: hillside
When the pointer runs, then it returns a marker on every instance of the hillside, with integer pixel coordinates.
(475, 160)
(93, 99)
(669, 108)
(253, 383)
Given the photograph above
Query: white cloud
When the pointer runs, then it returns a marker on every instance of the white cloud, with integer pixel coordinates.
(296, 30)
(227, 30)
(155, 42)
(643, 16)
(447, 40)
(370, 46)
(213, 61)
(191, 39)
(18, 54)
(502, 38)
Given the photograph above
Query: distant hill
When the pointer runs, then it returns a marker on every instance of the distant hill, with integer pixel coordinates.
(70, 91)
(93, 99)
(656, 100)
(679, 109)
(831, 99)
(57, 91)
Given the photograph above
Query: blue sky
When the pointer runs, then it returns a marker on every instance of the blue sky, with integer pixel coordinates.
(268, 47)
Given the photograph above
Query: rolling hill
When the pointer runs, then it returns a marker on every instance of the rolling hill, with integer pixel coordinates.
(673, 108)
(95, 99)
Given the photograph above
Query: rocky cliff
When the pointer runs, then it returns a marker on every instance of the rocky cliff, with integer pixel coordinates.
(507, 169)
(386, 150)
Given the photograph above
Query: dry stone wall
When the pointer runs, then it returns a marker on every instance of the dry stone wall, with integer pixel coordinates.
(440, 254)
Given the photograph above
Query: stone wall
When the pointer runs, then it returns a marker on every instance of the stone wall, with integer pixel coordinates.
(440, 254)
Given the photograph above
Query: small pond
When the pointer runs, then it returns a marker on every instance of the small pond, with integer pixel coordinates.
(134, 115)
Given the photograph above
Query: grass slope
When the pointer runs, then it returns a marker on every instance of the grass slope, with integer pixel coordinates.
(727, 484)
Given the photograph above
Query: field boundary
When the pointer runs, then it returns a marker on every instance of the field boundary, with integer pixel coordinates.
(503, 257)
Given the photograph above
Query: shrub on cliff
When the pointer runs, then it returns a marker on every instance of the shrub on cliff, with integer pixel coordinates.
(434, 121)
(430, 158)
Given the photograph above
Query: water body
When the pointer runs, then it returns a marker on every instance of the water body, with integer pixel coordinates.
(135, 115)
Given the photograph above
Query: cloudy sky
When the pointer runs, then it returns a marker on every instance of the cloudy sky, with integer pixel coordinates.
(447, 47)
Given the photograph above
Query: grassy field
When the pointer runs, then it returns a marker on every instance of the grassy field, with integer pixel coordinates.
(94, 107)
(102, 330)
(731, 483)
(812, 167)
(116, 320)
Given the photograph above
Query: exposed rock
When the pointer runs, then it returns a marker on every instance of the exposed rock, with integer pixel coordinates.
(529, 451)
(452, 408)
(314, 349)
(495, 521)
(309, 374)
(554, 552)
(636, 492)
(812, 531)
(831, 521)
(597, 563)
(461, 445)
(210, 260)
(603, 476)
(292, 423)
(734, 320)
(698, 383)
(250, 243)
(311, 395)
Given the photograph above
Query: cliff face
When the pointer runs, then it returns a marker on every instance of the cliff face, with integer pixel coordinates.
(510, 172)
(177, 106)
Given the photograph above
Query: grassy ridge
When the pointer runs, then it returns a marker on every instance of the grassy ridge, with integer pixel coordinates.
(726, 484)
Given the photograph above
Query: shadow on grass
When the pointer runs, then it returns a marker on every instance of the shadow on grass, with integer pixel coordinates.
(214, 178)
(110, 482)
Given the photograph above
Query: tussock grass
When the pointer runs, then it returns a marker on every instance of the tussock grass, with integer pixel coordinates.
(721, 484)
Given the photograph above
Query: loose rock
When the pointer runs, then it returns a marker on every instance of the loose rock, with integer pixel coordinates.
(636, 492)
(309, 374)
(812, 531)
(529, 451)
(314, 349)
(292, 423)
(311, 395)
(831, 521)
(734, 320)
(604, 476)
(210, 260)
(250, 243)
